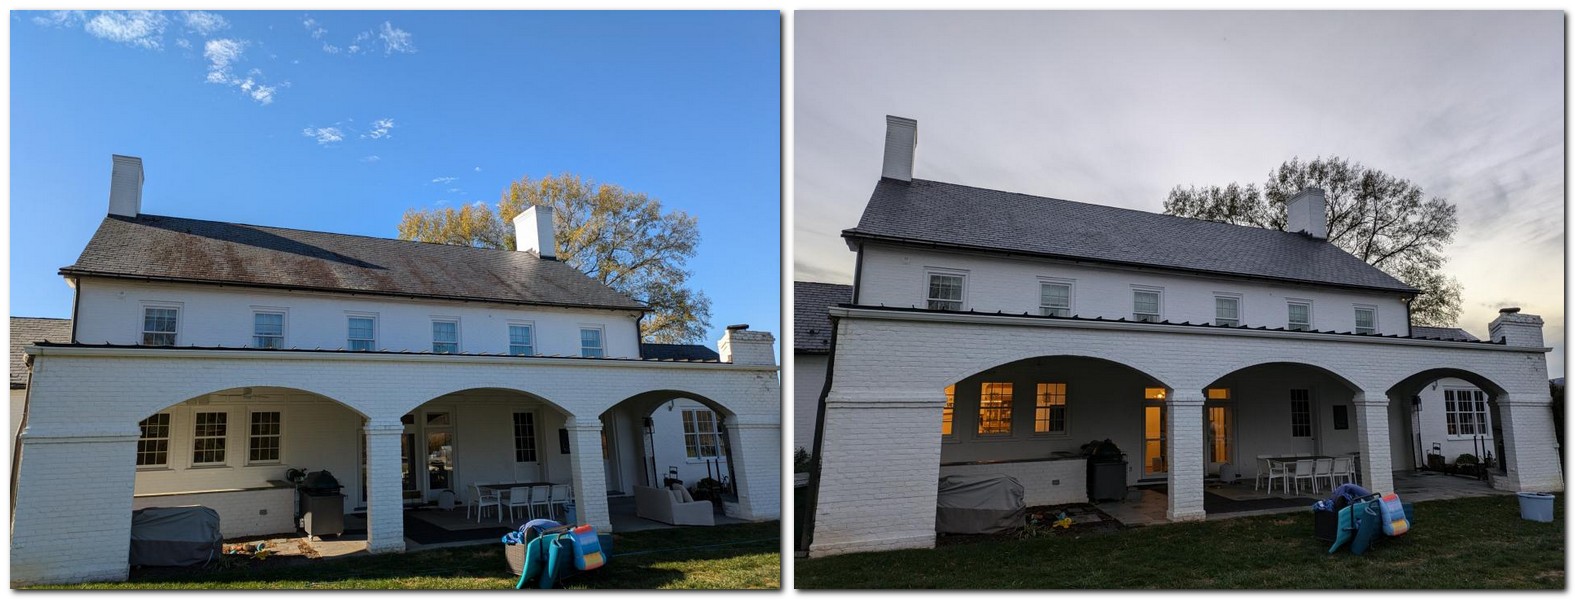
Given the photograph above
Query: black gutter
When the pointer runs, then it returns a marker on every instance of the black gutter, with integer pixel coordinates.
(855, 234)
(68, 272)
(808, 535)
(858, 271)
(76, 304)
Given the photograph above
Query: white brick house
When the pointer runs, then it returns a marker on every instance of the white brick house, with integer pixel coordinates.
(207, 358)
(994, 332)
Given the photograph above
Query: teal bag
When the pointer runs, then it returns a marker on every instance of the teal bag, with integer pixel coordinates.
(1344, 529)
(1369, 526)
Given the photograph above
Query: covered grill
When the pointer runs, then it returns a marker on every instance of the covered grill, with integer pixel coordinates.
(1107, 471)
(321, 506)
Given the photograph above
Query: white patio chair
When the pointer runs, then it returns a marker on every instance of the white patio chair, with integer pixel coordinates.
(540, 495)
(1323, 469)
(518, 497)
(1268, 471)
(1301, 469)
(1342, 470)
(481, 499)
(561, 494)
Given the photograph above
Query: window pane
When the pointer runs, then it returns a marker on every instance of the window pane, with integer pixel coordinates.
(524, 437)
(1146, 303)
(591, 343)
(1226, 308)
(1050, 408)
(268, 323)
(946, 287)
(995, 408)
(947, 412)
(445, 331)
(263, 443)
(1298, 313)
(520, 340)
(153, 447)
(1301, 414)
(210, 430)
(1364, 318)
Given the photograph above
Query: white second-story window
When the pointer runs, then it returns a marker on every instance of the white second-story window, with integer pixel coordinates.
(158, 325)
(363, 333)
(1145, 306)
(1298, 316)
(522, 340)
(445, 337)
(1366, 320)
(1055, 299)
(1227, 311)
(945, 292)
(268, 329)
(591, 342)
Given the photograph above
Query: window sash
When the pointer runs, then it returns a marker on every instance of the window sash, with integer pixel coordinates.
(1298, 315)
(1050, 408)
(1301, 413)
(1465, 412)
(591, 342)
(945, 292)
(445, 337)
(153, 446)
(1145, 306)
(524, 437)
(995, 408)
(158, 326)
(209, 431)
(363, 333)
(521, 340)
(268, 329)
(949, 412)
(1055, 299)
(266, 439)
(1365, 320)
(701, 437)
(1227, 311)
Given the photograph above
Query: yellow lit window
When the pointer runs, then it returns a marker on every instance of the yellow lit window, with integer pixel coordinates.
(1218, 394)
(946, 413)
(1050, 408)
(995, 409)
(1154, 393)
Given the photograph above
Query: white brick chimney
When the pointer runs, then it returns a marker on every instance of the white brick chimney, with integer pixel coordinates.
(1304, 213)
(902, 138)
(741, 346)
(1516, 329)
(533, 230)
(125, 186)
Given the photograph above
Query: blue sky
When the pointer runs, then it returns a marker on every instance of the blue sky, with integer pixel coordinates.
(339, 121)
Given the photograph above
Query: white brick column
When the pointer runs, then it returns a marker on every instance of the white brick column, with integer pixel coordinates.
(1372, 438)
(73, 513)
(756, 452)
(385, 499)
(880, 468)
(1184, 448)
(590, 472)
(1531, 452)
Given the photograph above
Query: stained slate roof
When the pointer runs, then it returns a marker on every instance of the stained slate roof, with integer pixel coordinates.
(1442, 333)
(948, 214)
(172, 248)
(811, 323)
(28, 330)
(678, 352)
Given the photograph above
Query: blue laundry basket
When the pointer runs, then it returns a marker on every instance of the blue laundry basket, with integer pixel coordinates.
(1536, 506)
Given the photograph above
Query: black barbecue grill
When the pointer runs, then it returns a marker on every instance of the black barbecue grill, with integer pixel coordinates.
(1107, 471)
(321, 506)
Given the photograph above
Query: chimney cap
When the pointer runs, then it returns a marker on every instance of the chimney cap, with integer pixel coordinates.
(1509, 310)
(738, 327)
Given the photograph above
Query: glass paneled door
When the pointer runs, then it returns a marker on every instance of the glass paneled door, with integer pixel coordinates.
(1155, 463)
(439, 452)
(1219, 429)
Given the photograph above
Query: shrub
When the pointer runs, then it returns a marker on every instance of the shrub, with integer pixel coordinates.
(1466, 459)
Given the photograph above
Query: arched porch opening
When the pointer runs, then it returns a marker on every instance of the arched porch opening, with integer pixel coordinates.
(1445, 414)
(1277, 409)
(661, 438)
(460, 440)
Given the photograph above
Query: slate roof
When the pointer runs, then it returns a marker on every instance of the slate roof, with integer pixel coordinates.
(191, 250)
(1442, 333)
(28, 330)
(959, 216)
(811, 322)
(692, 352)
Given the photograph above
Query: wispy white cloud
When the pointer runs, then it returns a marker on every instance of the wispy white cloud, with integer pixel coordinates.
(61, 18)
(380, 129)
(478, 169)
(330, 48)
(141, 28)
(454, 190)
(203, 22)
(221, 54)
(183, 42)
(396, 40)
(324, 135)
(371, 158)
(314, 28)
(444, 179)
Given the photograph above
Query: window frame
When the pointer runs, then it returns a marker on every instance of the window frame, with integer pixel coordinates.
(169, 429)
(350, 341)
(962, 290)
(284, 325)
(1002, 410)
(1071, 296)
(252, 436)
(949, 415)
(1159, 304)
(142, 328)
(689, 417)
(1356, 323)
(1305, 411)
(530, 329)
(1233, 297)
(223, 438)
(529, 453)
(1289, 302)
(601, 336)
(1453, 426)
(1045, 413)
(438, 320)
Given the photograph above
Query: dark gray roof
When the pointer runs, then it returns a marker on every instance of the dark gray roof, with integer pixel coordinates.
(28, 330)
(811, 323)
(946, 214)
(1442, 333)
(678, 352)
(171, 248)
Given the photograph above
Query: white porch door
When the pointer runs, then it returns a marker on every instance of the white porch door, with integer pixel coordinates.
(527, 447)
(1155, 463)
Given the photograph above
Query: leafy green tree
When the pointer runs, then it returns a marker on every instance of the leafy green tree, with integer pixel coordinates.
(618, 237)
(1379, 218)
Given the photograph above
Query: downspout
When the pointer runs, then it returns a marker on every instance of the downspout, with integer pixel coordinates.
(1407, 301)
(808, 535)
(16, 442)
(858, 270)
(76, 302)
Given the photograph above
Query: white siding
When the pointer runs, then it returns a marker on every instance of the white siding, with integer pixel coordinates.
(809, 379)
(1435, 429)
(895, 276)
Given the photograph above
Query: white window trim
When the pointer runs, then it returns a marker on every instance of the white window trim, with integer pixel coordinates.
(514, 440)
(715, 434)
(1312, 414)
(1241, 306)
(1132, 308)
(248, 432)
(376, 328)
(581, 336)
(1071, 293)
(180, 320)
(1367, 307)
(978, 413)
(458, 338)
(1310, 316)
(1066, 410)
(535, 346)
(284, 323)
(1487, 413)
(169, 442)
(229, 433)
(924, 292)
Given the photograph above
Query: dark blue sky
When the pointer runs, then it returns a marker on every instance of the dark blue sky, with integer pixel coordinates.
(340, 121)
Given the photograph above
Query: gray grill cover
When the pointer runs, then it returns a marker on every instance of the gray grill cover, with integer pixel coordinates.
(979, 504)
(177, 536)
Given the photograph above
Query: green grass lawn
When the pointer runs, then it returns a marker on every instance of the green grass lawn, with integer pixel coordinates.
(1465, 543)
(738, 556)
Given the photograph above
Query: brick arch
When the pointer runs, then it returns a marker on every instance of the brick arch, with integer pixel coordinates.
(1217, 373)
(976, 367)
(1411, 384)
(429, 396)
(187, 396)
(646, 402)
